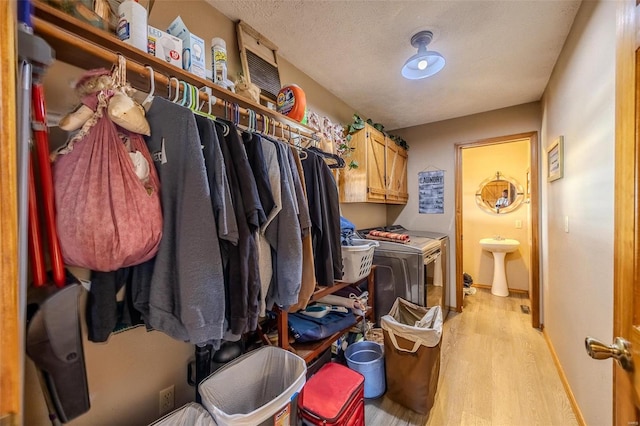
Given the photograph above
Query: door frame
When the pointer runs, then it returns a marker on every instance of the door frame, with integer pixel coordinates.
(534, 297)
(626, 271)
(10, 325)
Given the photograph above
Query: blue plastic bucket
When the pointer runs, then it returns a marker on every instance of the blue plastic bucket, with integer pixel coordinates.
(367, 358)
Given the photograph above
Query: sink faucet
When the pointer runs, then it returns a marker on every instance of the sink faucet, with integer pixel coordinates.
(498, 238)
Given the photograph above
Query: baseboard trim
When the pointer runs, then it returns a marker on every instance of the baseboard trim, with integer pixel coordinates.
(511, 290)
(565, 382)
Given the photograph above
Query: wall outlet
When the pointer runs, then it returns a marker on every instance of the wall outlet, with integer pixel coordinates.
(518, 224)
(167, 399)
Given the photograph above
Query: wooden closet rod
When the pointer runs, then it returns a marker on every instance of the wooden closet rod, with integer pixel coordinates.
(84, 46)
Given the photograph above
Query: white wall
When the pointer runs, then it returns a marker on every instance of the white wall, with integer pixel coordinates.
(433, 145)
(577, 266)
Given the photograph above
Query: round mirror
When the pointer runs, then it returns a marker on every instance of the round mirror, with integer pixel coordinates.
(499, 194)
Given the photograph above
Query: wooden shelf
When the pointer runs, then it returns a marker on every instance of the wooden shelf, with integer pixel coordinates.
(80, 44)
(311, 350)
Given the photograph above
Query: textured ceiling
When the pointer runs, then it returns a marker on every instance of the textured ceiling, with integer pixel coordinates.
(499, 53)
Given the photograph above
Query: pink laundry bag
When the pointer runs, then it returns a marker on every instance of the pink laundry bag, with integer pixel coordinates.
(107, 216)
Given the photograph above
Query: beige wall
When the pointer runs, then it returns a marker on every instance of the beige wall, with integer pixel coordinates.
(207, 22)
(433, 145)
(478, 164)
(577, 266)
(124, 374)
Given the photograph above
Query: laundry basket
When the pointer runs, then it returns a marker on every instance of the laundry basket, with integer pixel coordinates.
(258, 388)
(412, 336)
(357, 260)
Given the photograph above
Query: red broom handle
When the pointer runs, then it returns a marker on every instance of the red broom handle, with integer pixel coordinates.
(35, 248)
(41, 137)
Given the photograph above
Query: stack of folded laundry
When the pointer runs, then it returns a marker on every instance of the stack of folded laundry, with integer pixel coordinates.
(347, 229)
(388, 236)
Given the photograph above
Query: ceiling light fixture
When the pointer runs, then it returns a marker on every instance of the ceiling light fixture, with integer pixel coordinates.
(425, 63)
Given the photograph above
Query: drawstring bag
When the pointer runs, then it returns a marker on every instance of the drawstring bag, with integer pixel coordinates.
(107, 197)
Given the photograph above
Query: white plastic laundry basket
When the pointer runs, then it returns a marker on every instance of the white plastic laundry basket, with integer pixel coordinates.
(357, 260)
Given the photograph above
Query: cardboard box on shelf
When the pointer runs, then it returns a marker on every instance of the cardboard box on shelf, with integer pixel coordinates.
(193, 52)
(164, 46)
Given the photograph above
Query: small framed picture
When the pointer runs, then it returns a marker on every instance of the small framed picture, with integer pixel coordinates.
(555, 160)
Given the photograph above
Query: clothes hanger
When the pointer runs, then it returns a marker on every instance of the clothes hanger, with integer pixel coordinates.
(236, 114)
(339, 161)
(175, 99)
(301, 152)
(193, 103)
(184, 93)
(147, 101)
(253, 121)
(211, 100)
(169, 88)
(209, 115)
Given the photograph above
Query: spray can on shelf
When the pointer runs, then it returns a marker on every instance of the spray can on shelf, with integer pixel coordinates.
(219, 60)
(132, 24)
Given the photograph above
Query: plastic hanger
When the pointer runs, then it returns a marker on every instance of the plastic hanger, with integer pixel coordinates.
(175, 99)
(193, 100)
(301, 152)
(211, 99)
(339, 161)
(147, 101)
(184, 93)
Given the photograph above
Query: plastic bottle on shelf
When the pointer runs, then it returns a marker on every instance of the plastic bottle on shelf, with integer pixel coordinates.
(132, 24)
(219, 60)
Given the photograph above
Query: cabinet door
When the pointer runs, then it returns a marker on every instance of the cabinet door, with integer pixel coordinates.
(396, 174)
(376, 166)
(353, 182)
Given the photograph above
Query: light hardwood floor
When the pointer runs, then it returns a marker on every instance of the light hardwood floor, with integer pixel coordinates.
(495, 370)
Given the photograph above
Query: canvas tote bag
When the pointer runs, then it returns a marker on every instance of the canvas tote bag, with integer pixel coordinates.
(412, 336)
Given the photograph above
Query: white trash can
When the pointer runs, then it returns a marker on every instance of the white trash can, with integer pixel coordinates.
(258, 388)
(191, 414)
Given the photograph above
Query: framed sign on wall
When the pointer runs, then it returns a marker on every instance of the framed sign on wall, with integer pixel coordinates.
(555, 160)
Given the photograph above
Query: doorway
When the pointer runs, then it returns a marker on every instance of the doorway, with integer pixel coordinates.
(531, 194)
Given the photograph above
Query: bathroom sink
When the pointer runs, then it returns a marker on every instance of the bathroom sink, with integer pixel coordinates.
(502, 245)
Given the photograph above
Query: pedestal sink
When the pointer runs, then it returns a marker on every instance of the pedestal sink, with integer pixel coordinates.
(499, 247)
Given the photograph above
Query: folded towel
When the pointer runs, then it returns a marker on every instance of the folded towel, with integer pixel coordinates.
(391, 236)
(346, 225)
(347, 229)
(392, 240)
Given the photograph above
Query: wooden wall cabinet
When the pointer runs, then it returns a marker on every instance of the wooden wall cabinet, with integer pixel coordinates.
(396, 172)
(381, 176)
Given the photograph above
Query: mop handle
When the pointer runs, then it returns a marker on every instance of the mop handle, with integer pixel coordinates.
(41, 137)
(35, 238)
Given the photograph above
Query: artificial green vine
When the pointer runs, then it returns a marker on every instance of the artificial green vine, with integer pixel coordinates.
(345, 149)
